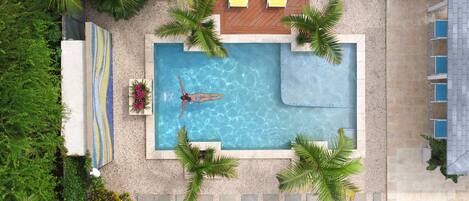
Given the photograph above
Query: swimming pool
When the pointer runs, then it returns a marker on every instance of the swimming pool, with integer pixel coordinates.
(252, 115)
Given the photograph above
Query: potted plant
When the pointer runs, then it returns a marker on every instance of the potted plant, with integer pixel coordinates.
(140, 101)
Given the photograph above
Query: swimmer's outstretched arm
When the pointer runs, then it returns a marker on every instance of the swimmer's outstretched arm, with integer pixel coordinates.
(181, 86)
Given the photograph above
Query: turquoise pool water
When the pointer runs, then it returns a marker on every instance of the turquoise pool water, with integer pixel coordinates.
(252, 114)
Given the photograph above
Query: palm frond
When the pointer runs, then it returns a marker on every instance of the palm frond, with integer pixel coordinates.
(172, 29)
(314, 15)
(345, 169)
(206, 39)
(296, 177)
(220, 166)
(184, 17)
(203, 8)
(187, 155)
(299, 22)
(330, 190)
(331, 14)
(203, 38)
(66, 6)
(343, 148)
(349, 186)
(324, 44)
(193, 188)
(309, 151)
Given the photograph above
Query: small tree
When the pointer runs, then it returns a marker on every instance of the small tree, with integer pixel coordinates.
(201, 164)
(194, 23)
(315, 27)
(320, 170)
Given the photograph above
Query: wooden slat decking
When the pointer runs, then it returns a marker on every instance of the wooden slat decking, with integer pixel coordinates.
(256, 19)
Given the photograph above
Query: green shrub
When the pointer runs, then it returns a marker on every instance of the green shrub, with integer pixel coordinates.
(98, 192)
(79, 185)
(30, 108)
(75, 179)
(119, 9)
(438, 157)
(70, 7)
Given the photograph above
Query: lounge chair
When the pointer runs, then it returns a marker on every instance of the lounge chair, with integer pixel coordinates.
(440, 128)
(238, 3)
(440, 93)
(440, 29)
(440, 68)
(276, 3)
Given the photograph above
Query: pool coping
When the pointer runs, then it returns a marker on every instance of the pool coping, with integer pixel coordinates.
(358, 39)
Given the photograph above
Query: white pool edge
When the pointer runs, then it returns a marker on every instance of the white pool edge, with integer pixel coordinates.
(358, 39)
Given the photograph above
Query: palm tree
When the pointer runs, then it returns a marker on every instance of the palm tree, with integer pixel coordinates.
(201, 164)
(71, 7)
(323, 171)
(194, 23)
(315, 26)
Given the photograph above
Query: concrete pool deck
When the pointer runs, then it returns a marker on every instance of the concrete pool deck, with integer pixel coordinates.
(408, 108)
(132, 172)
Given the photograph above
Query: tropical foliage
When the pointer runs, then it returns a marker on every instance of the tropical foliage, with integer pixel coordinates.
(201, 164)
(78, 185)
(98, 192)
(438, 157)
(75, 178)
(322, 171)
(194, 22)
(66, 6)
(315, 27)
(119, 9)
(30, 106)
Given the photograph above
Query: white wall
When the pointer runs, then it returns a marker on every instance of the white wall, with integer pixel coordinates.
(73, 96)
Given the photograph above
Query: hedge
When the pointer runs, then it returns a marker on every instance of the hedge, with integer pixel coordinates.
(79, 185)
(76, 178)
(30, 105)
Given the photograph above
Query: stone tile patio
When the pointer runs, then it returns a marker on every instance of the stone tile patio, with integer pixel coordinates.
(248, 197)
(408, 108)
(131, 172)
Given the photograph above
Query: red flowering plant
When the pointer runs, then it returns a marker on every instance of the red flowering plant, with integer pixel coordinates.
(139, 92)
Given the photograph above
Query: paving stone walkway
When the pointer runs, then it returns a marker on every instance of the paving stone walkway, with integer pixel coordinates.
(253, 197)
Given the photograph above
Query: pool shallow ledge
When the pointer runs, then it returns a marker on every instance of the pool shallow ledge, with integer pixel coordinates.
(358, 39)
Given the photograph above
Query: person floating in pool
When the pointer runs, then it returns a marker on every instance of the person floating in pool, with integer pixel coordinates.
(195, 98)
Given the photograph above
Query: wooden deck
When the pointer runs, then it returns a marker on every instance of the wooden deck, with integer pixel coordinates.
(256, 19)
